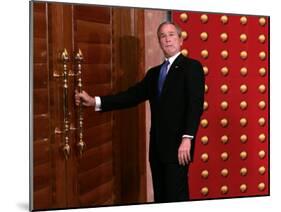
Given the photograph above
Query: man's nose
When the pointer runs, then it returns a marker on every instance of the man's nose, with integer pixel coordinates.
(167, 39)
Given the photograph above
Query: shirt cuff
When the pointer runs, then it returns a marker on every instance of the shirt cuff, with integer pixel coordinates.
(188, 136)
(98, 103)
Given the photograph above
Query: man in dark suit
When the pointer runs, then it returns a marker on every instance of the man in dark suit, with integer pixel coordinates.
(175, 90)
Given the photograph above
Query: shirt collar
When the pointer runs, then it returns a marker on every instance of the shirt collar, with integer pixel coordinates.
(172, 59)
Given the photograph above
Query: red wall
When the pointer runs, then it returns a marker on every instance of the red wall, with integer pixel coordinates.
(215, 182)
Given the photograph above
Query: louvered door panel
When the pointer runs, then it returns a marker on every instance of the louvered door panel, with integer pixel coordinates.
(42, 186)
(92, 34)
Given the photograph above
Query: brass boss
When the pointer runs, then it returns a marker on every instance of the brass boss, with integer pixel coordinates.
(224, 71)
(262, 21)
(224, 19)
(243, 20)
(224, 139)
(183, 17)
(204, 36)
(243, 171)
(243, 38)
(243, 71)
(184, 52)
(204, 18)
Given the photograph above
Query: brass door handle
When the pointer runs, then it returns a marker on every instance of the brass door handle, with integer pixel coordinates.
(66, 151)
(78, 59)
(66, 147)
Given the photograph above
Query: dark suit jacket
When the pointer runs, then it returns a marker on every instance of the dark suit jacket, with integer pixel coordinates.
(176, 112)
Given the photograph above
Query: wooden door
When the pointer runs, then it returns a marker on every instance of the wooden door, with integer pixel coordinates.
(92, 30)
(99, 175)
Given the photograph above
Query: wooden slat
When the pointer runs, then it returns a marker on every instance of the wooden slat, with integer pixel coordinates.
(41, 176)
(41, 151)
(91, 32)
(97, 89)
(96, 73)
(98, 135)
(93, 118)
(97, 196)
(92, 13)
(40, 127)
(92, 179)
(39, 27)
(40, 101)
(109, 201)
(94, 157)
(43, 198)
(39, 7)
(40, 50)
(40, 75)
(95, 53)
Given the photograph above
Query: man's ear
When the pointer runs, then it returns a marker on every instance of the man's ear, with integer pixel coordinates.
(181, 40)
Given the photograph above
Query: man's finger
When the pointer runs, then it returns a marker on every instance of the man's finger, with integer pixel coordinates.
(185, 158)
(179, 158)
(188, 156)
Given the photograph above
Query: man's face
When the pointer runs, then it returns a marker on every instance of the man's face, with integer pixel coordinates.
(169, 40)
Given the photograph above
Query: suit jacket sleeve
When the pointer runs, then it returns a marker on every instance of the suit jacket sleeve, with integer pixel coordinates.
(129, 98)
(195, 86)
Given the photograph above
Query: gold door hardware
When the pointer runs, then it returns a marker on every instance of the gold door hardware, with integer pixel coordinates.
(66, 147)
(64, 57)
(78, 59)
(66, 151)
(59, 131)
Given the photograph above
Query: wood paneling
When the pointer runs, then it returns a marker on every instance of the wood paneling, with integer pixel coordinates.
(93, 118)
(93, 13)
(91, 32)
(103, 134)
(40, 25)
(39, 7)
(40, 76)
(43, 198)
(95, 177)
(96, 73)
(41, 176)
(101, 89)
(96, 53)
(96, 156)
(129, 145)
(40, 127)
(41, 151)
(108, 170)
(42, 184)
(98, 196)
(40, 50)
(40, 99)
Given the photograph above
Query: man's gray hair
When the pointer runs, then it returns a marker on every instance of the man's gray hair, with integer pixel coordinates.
(168, 22)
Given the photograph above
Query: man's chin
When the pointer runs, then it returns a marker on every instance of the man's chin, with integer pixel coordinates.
(169, 54)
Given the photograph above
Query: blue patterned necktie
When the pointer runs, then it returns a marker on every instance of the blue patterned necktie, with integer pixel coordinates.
(162, 76)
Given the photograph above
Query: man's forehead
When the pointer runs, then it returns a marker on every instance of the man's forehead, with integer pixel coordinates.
(165, 28)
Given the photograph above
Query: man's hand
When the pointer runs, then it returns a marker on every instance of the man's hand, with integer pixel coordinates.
(86, 99)
(184, 151)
